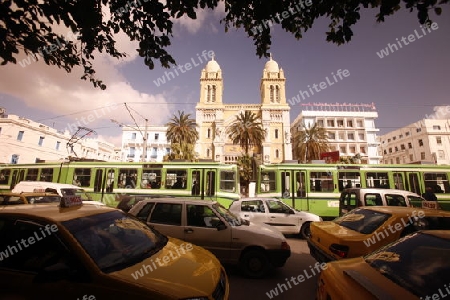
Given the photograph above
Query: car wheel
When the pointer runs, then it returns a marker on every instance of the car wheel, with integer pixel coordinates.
(305, 231)
(255, 264)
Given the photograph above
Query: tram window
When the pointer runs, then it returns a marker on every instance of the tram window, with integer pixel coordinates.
(82, 177)
(4, 176)
(151, 179)
(398, 181)
(438, 182)
(210, 183)
(321, 182)
(46, 175)
(227, 181)
(176, 179)
(377, 180)
(127, 178)
(32, 174)
(268, 182)
(349, 180)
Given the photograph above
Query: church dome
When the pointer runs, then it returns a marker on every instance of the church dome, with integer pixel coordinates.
(271, 66)
(212, 66)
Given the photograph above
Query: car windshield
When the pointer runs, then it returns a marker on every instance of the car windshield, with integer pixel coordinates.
(362, 220)
(115, 240)
(419, 263)
(227, 215)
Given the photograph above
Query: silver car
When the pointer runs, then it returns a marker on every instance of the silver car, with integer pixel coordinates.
(256, 248)
(275, 213)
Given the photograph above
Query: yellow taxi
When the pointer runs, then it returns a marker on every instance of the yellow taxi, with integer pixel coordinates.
(365, 229)
(9, 198)
(76, 251)
(414, 267)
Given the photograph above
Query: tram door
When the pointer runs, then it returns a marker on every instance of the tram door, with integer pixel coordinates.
(203, 183)
(293, 186)
(17, 176)
(414, 183)
(103, 182)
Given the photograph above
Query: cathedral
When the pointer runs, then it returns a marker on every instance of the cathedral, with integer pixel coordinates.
(213, 117)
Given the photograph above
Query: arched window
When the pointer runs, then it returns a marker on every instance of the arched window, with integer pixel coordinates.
(277, 153)
(207, 153)
(277, 93)
(209, 133)
(213, 94)
(208, 93)
(276, 133)
(271, 93)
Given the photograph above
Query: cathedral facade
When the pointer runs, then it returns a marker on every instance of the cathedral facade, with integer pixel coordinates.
(213, 117)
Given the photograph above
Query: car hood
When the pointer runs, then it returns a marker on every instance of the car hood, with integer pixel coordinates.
(364, 282)
(307, 216)
(191, 274)
(258, 233)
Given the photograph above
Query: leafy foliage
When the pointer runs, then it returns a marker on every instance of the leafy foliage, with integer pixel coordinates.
(29, 26)
(309, 142)
(246, 131)
(182, 134)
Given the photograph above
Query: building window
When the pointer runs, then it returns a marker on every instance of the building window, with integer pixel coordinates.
(441, 154)
(331, 135)
(390, 150)
(349, 123)
(213, 93)
(351, 136)
(400, 136)
(361, 136)
(436, 127)
(409, 145)
(407, 133)
(208, 133)
(132, 152)
(384, 151)
(41, 141)
(154, 153)
(389, 140)
(352, 149)
(207, 153)
(362, 149)
(277, 153)
(396, 149)
(397, 160)
(133, 135)
(394, 138)
(422, 155)
(156, 136)
(438, 140)
(330, 123)
(420, 143)
(411, 157)
(58, 144)
(340, 123)
(15, 158)
(320, 123)
(276, 133)
(20, 135)
(341, 135)
(402, 146)
(277, 94)
(271, 93)
(359, 123)
(418, 129)
(167, 150)
(343, 149)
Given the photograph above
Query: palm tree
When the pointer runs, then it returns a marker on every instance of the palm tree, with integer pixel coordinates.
(246, 131)
(309, 142)
(182, 134)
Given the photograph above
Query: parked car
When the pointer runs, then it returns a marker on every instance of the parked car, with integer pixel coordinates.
(28, 198)
(256, 248)
(62, 189)
(365, 229)
(126, 202)
(414, 267)
(275, 213)
(355, 197)
(89, 252)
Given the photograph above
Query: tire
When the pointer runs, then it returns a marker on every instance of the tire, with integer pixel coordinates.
(305, 231)
(255, 264)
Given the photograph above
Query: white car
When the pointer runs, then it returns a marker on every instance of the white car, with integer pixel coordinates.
(276, 213)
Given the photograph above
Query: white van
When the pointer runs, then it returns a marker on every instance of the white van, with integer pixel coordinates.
(62, 189)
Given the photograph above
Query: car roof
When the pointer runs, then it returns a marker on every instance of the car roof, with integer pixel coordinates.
(49, 184)
(379, 190)
(402, 210)
(178, 200)
(27, 194)
(258, 198)
(53, 212)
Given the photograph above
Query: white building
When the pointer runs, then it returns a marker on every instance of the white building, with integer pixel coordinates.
(25, 141)
(350, 127)
(426, 141)
(133, 143)
(213, 117)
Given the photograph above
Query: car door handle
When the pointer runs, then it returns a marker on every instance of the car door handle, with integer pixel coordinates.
(272, 217)
(245, 215)
(188, 230)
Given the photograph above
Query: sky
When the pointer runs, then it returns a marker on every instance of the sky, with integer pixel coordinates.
(405, 86)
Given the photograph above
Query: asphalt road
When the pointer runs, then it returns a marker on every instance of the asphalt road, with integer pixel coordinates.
(300, 263)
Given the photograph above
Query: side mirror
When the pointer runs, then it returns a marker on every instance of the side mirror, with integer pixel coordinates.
(221, 226)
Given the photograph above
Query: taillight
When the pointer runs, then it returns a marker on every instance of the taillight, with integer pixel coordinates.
(339, 250)
(285, 246)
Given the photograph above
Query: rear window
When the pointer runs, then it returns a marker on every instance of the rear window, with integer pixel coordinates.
(364, 221)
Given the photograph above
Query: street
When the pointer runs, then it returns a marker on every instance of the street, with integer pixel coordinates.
(300, 263)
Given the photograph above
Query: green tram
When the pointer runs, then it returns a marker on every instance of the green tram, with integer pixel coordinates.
(316, 187)
(105, 181)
